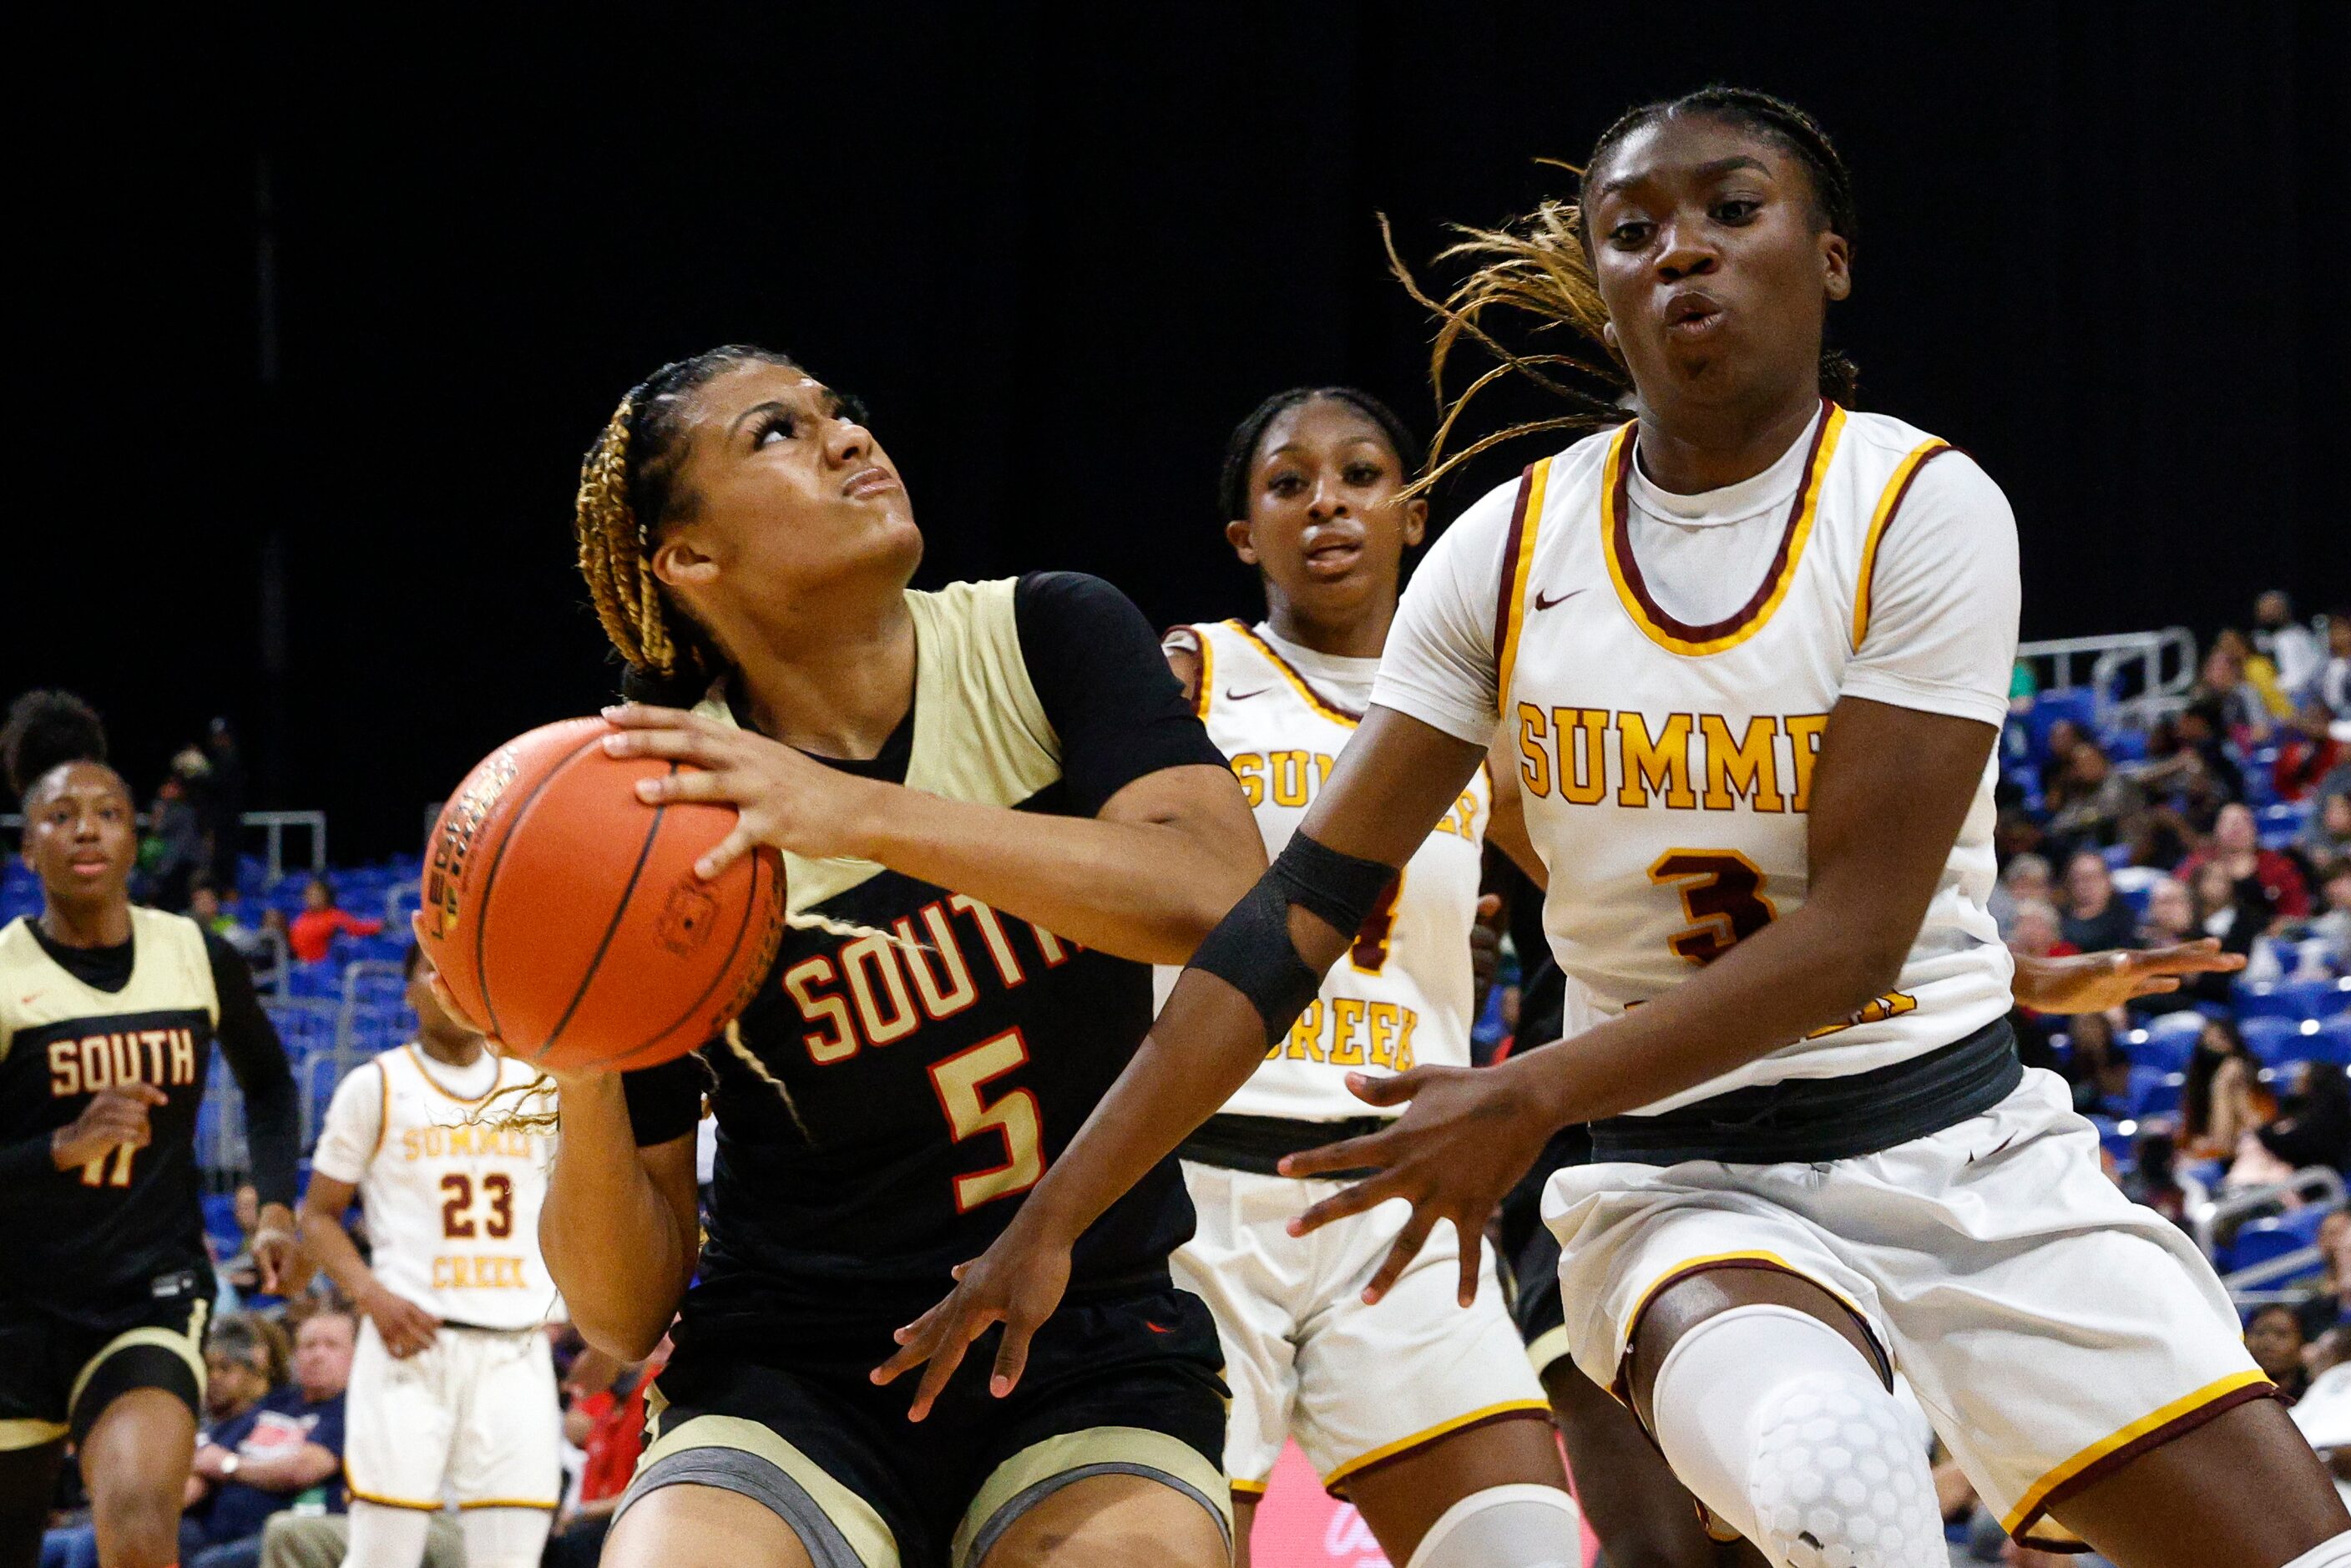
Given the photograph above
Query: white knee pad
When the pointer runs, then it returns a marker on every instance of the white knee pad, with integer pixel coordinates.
(1781, 1427)
(386, 1537)
(505, 1537)
(2331, 1553)
(1522, 1525)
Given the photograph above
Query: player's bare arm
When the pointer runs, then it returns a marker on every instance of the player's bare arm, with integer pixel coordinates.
(1391, 785)
(406, 1327)
(618, 1229)
(1146, 879)
(1892, 789)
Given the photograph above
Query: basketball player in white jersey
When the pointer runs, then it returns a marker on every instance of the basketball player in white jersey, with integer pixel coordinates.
(453, 1390)
(1421, 1415)
(1754, 649)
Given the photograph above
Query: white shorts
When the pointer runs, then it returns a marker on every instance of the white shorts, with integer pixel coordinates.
(2051, 1328)
(1306, 1358)
(475, 1416)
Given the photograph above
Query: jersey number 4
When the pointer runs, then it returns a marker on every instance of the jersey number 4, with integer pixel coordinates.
(1369, 952)
(114, 1164)
(456, 1219)
(1722, 893)
(957, 1081)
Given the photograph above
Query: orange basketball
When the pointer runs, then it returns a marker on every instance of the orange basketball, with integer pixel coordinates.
(565, 917)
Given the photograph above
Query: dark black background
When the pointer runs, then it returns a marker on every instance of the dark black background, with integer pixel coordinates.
(1060, 248)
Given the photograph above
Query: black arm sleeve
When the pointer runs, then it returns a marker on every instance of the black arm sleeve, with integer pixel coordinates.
(273, 1110)
(1106, 685)
(665, 1101)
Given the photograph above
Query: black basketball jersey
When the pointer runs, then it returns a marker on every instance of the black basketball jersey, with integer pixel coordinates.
(91, 1240)
(926, 1083)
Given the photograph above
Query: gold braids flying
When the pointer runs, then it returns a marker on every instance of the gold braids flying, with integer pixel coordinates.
(1535, 266)
(615, 552)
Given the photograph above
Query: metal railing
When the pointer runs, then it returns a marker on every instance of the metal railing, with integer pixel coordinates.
(275, 825)
(2315, 1184)
(2159, 668)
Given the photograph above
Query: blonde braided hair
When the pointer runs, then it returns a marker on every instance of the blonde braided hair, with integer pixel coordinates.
(615, 551)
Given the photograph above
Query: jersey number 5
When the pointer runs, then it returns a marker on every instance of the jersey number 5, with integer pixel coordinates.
(458, 1224)
(1722, 893)
(957, 1081)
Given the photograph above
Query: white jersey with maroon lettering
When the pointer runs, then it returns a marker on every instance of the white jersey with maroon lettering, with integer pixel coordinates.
(1401, 995)
(1667, 766)
(450, 1189)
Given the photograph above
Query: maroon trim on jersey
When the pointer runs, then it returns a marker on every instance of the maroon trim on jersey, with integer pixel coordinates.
(1511, 545)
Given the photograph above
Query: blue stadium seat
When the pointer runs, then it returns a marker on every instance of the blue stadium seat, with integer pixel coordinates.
(2332, 1041)
(2154, 1091)
(2263, 1241)
(2166, 1041)
(2276, 1040)
(305, 1026)
(2116, 856)
(2127, 745)
(2292, 1000)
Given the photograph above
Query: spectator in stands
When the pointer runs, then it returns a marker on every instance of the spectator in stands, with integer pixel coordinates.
(2152, 1180)
(2273, 1338)
(2096, 802)
(2235, 701)
(2327, 837)
(606, 1420)
(2094, 918)
(2186, 757)
(2222, 1099)
(313, 932)
(2171, 918)
(2260, 673)
(205, 904)
(2290, 645)
(2333, 927)
(2034, 932)
(286, 1451)
(2313, 1127)
(2264, 880)
(2026, 879)
(2329, 1306)
(2098, 1067)
(2307, 751)
(222, 803)
(2334, 683)
(172, 850)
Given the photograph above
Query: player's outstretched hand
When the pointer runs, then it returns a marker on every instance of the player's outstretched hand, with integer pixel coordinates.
(1018, 1282)
(279, 1256)
(115, 1115)
(2092, 982)
(1466, 1138)
(783, 799)
(406, 1327)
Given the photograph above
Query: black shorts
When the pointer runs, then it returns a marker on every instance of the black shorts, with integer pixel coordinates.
(58, 1372)
(1121, 1383)
(1530, 1252)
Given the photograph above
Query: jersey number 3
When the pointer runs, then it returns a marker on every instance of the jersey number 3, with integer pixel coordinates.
(957, 1081)
(1722, 893)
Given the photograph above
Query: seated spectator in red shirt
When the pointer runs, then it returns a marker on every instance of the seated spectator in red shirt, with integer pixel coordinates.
(2275, 883)
(2307, 751)
(313, 932)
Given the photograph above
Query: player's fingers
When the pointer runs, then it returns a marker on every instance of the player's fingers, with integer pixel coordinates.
(1394, 1090)
(1364, 1194)
(691, 784)
(2202, 957)
(1490, 904)
(1473, 1255)
(1011, 1357)
(944, 1358)
(676, 744)
(739, 841)
(1408, 1247)
(1346, 1154)
(644, 716)
(142, 1094)
(2155, 985)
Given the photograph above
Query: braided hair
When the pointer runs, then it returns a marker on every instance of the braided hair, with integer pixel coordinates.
(1240, 451)
(628, 494)
(1540, 265)
(44, 731)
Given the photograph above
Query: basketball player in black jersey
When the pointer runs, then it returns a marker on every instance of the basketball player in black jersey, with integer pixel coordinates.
(1000, 800)
(107, 1016)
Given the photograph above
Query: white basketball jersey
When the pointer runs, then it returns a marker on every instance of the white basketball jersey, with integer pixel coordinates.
(1667, 767)
(453, 1197)
(1402, 996)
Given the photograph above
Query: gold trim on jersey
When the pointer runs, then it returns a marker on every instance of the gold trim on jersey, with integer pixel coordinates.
(981, 733)
(1206, 678)
(860, 1523)
(1335, 1483)
(188, 1346)
(1658, 625)
(1517, 563)
(1304, 687)
(416, 1058)
(24, 1432)
(1131, 1450)
(2236, 1388)
(1888, 502)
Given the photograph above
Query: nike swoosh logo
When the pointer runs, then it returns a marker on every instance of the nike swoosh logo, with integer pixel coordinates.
(1542, 603)
(1233, 696)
